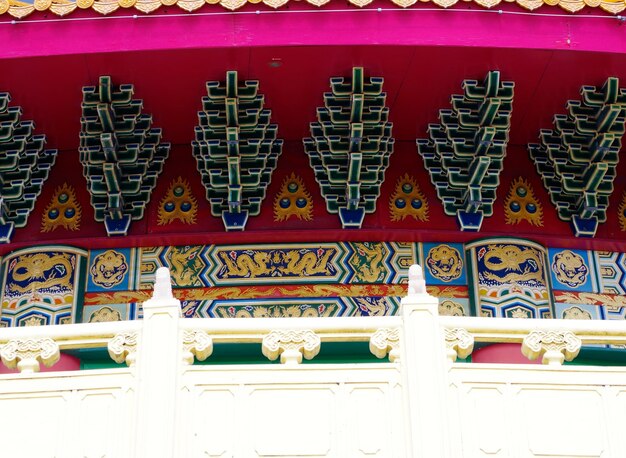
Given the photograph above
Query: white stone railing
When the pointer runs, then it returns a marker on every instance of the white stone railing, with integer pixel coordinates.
(420, 403)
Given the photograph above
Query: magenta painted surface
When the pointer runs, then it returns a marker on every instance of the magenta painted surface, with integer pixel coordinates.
(66, 363)
(302, 24)
(503, 353)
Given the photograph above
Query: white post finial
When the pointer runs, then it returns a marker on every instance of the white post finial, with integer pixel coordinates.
(417, 284)
(162, 284)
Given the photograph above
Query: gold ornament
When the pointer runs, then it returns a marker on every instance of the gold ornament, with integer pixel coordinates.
(84, 4)
(293, 200)
(126, 3)
(522, 205)
(4, 6)
(622, 213)
(408, 200)
(178, 203)
(42, 5)
(62, 211)
(105, 314)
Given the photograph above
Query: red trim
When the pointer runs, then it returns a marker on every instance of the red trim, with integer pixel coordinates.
(316, 236)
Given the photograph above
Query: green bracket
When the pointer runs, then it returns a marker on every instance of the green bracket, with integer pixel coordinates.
(236, 149)
(24, 167)
(350, 145)
(464, 155)
(122, 155)
(577, 160)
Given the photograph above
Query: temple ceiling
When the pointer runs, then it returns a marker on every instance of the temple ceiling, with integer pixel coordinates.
(387, 139)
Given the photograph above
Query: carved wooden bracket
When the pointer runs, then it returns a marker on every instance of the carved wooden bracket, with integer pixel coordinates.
(386, 341)
(198, 344)
(291, 345)
(123, 348)
(459, 343)
(554, 346)
(26, 354)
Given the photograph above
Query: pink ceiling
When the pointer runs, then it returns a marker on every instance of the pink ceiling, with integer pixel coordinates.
(418, 82)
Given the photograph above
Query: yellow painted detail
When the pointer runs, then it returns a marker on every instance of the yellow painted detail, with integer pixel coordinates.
(512, 264)
(622, 211)
(293, 200)
(178, 204)
(368, 262)
(522, 205)
(62, 211)
(33, 270)
(444, 262)
(105, 314)
(408, 200)
(109, 269)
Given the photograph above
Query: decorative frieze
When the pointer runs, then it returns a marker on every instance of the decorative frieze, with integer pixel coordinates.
(26, 354)
(553, 346)
(386, 342)
(196, 344)
(123, 348)
(291, 345)
(459, 343)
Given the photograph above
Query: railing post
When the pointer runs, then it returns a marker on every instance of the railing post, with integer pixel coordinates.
(158, 362)
(423, 360)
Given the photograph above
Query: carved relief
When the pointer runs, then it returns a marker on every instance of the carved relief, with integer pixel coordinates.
(459, 343)
(291, 345)
(386, 341)
(198, 344)
(26, 354)
(123, 348)
(554, 346)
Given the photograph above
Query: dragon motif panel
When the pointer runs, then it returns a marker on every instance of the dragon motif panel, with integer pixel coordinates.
(370, 262)
(259, 264)
(188, 265)
(300, 307)
(510, 279)
(42, 286)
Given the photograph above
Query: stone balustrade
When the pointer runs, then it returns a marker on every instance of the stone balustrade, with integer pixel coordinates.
(166, 398)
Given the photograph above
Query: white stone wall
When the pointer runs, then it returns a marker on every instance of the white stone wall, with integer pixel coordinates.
(421, 403)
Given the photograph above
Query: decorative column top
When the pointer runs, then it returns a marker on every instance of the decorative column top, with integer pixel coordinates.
(417, 284)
